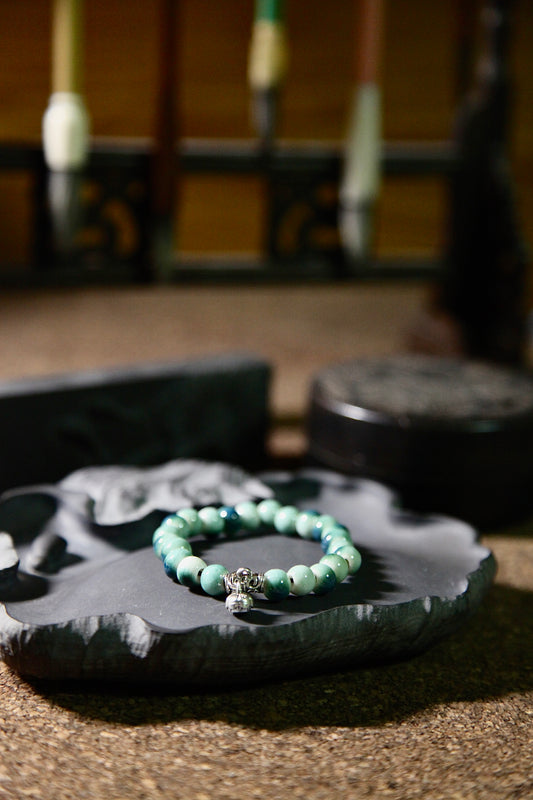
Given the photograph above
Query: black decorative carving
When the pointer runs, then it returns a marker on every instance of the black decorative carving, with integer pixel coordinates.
(301, 240)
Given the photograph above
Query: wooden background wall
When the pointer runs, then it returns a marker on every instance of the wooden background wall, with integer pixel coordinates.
(225, 214)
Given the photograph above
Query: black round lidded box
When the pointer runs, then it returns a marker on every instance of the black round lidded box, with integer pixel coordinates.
(451, 436)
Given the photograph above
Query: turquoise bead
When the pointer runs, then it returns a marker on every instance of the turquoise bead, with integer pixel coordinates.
(338, 564)
(189, 570)
(212, 579)
(173, 559)
(335, 530)
(191, 516)
(232, 521)
(178, 525)
(325, 579)
(323, 523)
(301, 579)
(305, 523)
(335, 544)
(276, 584)
(335, 533)
(285, 520)
(247, 511)
(212, 522)
(352, 556)
(267, 510)
(169, 542)
(164, 542)
(157, 534)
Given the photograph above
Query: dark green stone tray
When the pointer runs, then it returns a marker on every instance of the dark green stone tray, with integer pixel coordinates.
(110, 613)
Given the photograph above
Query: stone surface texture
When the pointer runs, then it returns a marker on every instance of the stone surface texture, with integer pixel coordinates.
(109, 612)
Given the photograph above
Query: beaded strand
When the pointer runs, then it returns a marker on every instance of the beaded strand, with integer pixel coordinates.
(171, 544)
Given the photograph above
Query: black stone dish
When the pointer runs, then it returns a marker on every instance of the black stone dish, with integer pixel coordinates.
(109, 612)
(451, 436)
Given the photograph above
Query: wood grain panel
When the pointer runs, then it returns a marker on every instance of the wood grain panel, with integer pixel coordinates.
(120, 86)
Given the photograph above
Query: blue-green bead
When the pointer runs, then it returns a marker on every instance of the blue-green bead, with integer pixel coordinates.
(267, 510)
(285, 520)
(338, 564)
(305, 523)
(337, 544)
(177, 525)
(352, 556)
(247, 511)
(325, 579)
(212, 579)
(157, 534)
(232, 521)
(276, 584)
(170, 542)
(191, 516)
(337, 530)
(322, 525)
(301, 579)
(335, 534)
(164, 542)
(212, 522)
(189, 570)
(173, 559)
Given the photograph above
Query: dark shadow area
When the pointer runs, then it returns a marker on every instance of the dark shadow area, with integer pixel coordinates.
(491, 657)
(25, 518)
(295, 489)
(23, 587)
(129, 536)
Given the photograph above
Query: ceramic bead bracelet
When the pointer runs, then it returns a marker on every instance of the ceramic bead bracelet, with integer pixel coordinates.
(172, 546)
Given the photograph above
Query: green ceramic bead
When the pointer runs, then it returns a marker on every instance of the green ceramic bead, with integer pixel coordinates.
(212, 522)
(177, 525)
(301, 579)
(247, 511)
(158, 533)
(352, 556)
(190, 570)
(191, 516)
(170, 542)
(305, 522)
(285, 520)
(325, 579)
(336, 532)
(212, 579)
(323, 523)
(267, 510)
(276, 584)
(337, 564)
(336, 544)
(165, 541)
(173, 559)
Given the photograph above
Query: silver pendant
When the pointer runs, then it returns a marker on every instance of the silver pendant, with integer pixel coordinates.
(239, 587)
(239, 602)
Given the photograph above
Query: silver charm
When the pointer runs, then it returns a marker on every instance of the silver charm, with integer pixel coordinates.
(239, 602)
(239, 586)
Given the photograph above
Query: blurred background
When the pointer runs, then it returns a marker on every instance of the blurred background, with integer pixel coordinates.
(297, 326)
(223, 214)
